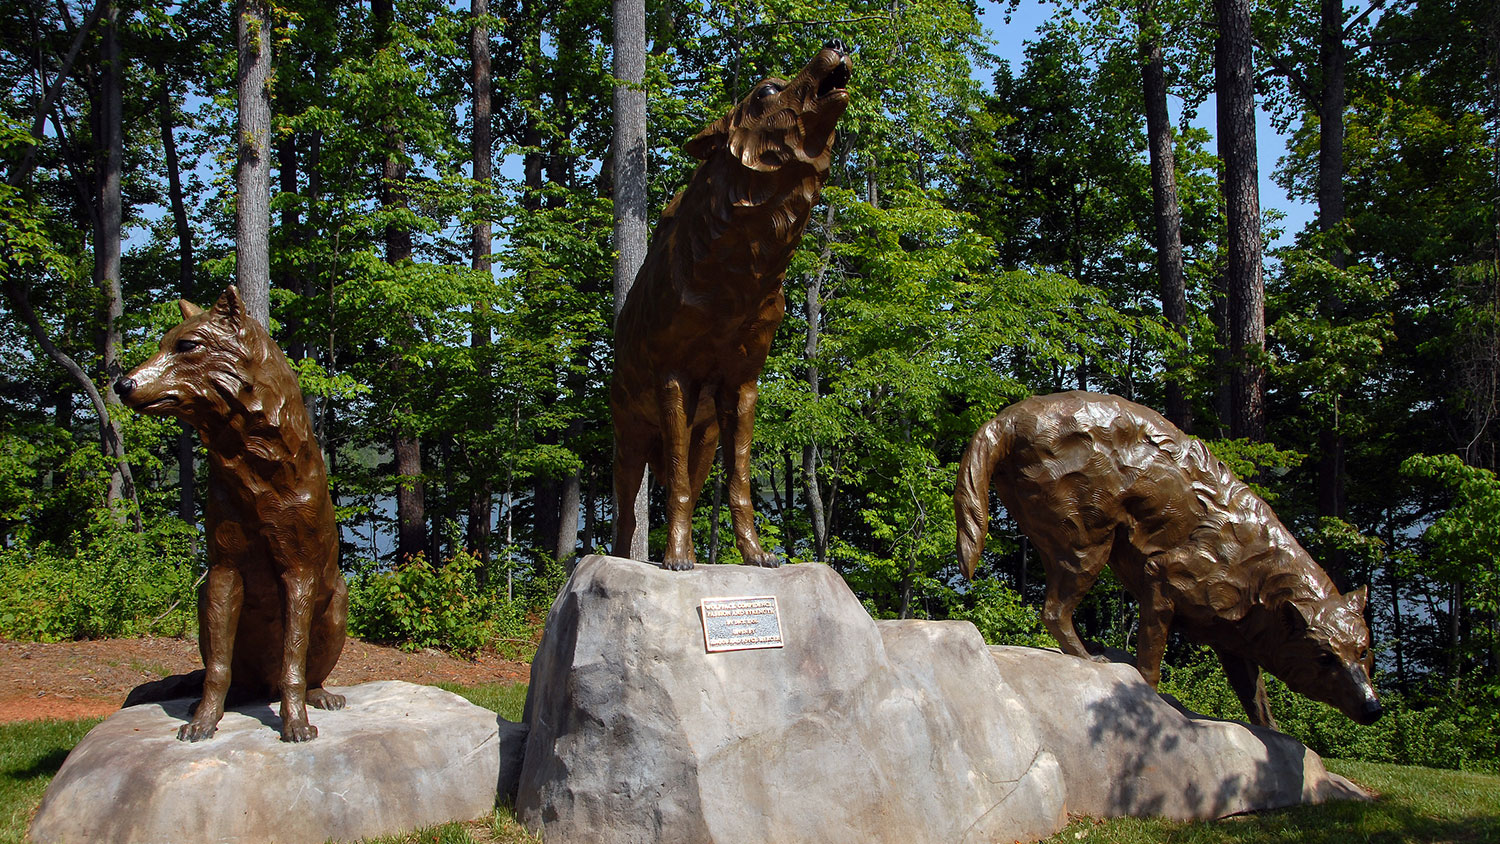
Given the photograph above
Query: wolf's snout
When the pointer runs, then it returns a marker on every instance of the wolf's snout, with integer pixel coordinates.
(1371, 712)
(124, 387)
(837, 45)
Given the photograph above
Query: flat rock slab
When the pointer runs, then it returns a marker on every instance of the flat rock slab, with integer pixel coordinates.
(398, 757)
(851, 732)
(1125, 750)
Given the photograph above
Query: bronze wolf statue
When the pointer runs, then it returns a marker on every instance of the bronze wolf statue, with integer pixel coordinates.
(693, 334)
(271, 612)
(1096, 480)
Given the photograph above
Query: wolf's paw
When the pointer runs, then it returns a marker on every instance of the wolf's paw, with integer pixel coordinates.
(198, 729)
(298, 731)
(324, 699)
(671, 563)
(765, 559)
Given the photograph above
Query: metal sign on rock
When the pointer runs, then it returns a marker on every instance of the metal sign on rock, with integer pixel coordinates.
(739, 624)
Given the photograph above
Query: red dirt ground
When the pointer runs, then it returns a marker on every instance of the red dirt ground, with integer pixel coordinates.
(81, 679)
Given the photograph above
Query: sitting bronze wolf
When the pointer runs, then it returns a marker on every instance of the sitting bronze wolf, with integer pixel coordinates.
(695, 329)
(1096, 480)
(271, 611)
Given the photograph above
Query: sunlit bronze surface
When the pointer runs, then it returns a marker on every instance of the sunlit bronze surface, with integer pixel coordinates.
(1096, 480)
(271, 611)
(694, 331)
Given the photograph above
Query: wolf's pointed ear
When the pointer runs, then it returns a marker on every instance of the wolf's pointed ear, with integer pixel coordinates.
(1294, 617)
(1357, 600)
(189, 310)
(713, 138)
(230, 308)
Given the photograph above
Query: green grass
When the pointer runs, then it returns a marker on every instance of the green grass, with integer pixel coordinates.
(507, 699)
(30, 753)
(1414, 806)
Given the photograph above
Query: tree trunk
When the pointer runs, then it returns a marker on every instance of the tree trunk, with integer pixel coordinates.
(1234, 80)
(628, 148)
(108, 222)
(1330, 216)
(1168, 220)
(411, 493)
(477, 538)
(411, 506)
(252, 174)
(187, 509)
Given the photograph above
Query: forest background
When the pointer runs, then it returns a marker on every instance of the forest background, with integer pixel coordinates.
(991, 229)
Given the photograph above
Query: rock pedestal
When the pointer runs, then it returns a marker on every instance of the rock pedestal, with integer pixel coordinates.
(1125, 751)
(849, 733)
(398, 757)
(854, 730)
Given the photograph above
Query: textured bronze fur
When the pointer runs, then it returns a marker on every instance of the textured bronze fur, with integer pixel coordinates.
(1096, 480)
(271, 612)
(695, 329)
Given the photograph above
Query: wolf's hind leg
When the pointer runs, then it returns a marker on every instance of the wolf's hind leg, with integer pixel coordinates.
(1069, 578)
(324, 699)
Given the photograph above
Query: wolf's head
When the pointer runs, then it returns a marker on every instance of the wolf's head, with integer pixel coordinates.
(780, 122)
(211, 366)
(1326, 654)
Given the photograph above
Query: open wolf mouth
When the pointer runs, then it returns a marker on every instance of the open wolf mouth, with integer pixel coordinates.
(835, 80)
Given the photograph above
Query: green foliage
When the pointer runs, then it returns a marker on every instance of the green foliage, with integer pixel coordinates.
(1449, 733)
(105, 580)
(1001, 616)
(417, 605)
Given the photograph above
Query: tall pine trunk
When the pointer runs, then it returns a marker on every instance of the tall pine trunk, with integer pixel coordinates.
(108, 223)
(1168, 217)
(628, 149)
(1234, 84)
(481, 494)
(411, 493)
(1330, 216)
(252, 174)
(187, 509)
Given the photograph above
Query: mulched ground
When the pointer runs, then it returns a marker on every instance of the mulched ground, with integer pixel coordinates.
(80, 679)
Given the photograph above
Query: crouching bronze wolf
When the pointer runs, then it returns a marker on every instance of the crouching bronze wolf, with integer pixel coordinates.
(1096, 480)
(271, 612)
(693, 334)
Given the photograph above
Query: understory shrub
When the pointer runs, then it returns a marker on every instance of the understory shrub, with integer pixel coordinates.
(418, 605)
(1441, 733)
(106, 580)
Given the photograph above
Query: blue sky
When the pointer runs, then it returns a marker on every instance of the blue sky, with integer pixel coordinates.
(1010, 42)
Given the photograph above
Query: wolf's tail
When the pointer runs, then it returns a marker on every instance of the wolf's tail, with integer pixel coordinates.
(971, 496)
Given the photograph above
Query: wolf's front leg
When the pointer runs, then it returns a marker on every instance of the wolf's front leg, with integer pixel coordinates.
(299, 586)
(737, 429)
(676, 407)
(219, 603)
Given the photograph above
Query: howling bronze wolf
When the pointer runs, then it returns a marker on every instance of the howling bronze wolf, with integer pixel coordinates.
(1096, 480)
(695, 329)
(271, 612)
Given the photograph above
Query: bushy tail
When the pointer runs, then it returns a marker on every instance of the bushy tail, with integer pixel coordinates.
(971, 496)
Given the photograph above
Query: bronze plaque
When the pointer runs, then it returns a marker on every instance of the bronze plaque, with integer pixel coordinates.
(741, 624)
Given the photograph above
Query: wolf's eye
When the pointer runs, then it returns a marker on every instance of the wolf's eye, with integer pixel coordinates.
(767, 90)
(185, 346)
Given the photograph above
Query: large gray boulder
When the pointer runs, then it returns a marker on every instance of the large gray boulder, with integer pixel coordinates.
(851, 732)
(1125, 750)
(398, 757)
(855, 730)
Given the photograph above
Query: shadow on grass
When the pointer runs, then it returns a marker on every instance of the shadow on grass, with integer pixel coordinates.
(45, 766)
